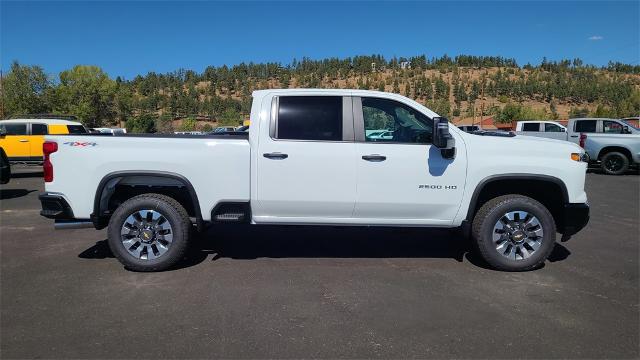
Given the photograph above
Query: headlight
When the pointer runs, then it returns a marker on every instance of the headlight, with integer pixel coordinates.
(583, 157)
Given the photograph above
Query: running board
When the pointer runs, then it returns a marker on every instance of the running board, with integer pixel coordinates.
(231, 212)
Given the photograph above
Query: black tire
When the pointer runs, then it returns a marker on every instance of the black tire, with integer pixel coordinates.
(614, 163)
(172, 211)
(488, 216)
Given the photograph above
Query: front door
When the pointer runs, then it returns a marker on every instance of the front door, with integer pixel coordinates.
(16, 141)
(553, 131)
(306, 163)
(402, 178)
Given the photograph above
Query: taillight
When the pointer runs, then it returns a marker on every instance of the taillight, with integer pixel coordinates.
(583, 138)
(48, 148)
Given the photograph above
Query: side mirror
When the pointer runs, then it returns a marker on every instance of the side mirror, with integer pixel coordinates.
(3, 132)
(563, 130)
(442, 139)
(625, 130)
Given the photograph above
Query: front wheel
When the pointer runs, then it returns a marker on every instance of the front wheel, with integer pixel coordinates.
(149, 232)
(514, 233)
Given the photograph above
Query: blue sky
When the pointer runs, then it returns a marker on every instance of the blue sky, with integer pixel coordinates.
(130, 38)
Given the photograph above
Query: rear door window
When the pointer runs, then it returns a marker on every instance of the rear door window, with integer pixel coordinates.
(530, 127)
(38, 129)
(585, 126)
(310, 118)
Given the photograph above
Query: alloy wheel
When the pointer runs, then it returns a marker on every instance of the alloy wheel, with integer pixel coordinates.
(517, 235)
(146, 234)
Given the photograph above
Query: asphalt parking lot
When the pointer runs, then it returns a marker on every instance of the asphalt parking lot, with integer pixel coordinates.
(292, 292)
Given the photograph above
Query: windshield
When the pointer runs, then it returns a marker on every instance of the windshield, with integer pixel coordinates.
(628, 122)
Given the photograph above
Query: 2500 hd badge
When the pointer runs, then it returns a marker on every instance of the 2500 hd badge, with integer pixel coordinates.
(438, 187)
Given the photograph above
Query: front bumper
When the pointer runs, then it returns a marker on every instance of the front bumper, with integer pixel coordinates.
(575, 218)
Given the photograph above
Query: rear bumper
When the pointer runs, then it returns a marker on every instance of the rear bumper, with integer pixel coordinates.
(55, 207)
(575, 217)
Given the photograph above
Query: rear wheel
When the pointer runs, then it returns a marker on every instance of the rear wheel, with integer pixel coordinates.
(149, 232)
(514, 233)
(615, 163)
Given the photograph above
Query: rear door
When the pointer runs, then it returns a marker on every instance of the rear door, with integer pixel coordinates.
(16, 141)
(305, 162)
(533, 129)
(402, 178)
(582, 126)
(38, 131)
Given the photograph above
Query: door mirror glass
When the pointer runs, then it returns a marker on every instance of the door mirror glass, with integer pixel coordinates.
(442, 139)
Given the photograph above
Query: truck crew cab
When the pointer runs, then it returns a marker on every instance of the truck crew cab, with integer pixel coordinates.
(307, 160)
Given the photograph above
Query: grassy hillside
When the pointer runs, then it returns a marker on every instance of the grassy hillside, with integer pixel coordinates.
(460, 87)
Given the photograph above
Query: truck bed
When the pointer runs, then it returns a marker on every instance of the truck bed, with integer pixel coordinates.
(216, 166)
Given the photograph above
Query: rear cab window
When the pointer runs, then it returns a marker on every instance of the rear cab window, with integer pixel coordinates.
(39, 129)
(585, 126)
(531, 127)
(309, 118)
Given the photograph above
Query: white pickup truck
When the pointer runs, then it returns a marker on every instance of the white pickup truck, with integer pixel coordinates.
(612, 144)
(306, 160)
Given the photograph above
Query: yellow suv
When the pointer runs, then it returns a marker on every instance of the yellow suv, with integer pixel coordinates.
(22, 139)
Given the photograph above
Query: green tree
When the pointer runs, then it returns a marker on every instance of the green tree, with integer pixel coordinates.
(88, 93)
(207, 127)
(189, 124)
(165, 124)
(25, 90)
(576, 112)
(143, 123)
(230, 117)
(123, 101)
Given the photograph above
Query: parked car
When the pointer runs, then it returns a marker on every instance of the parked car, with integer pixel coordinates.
(224, 129)
(5, 167)
(308, 161)
(243, 128)
(23, 138)
(614, 153)
(383, 136)
(469, 128)
(547, 129)
(112, 131)
(575, 127)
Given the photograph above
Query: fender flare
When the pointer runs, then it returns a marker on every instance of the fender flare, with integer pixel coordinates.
(98, 217)
(489, 179)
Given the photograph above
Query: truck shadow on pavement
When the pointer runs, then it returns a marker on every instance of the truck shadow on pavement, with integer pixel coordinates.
(14, 193)
(242, 242)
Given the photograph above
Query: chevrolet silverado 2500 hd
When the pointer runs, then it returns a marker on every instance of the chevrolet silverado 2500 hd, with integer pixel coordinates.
(307, 160)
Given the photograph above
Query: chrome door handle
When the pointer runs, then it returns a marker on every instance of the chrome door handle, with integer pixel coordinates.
(374, 157)
(23, 140)
(275, 156)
